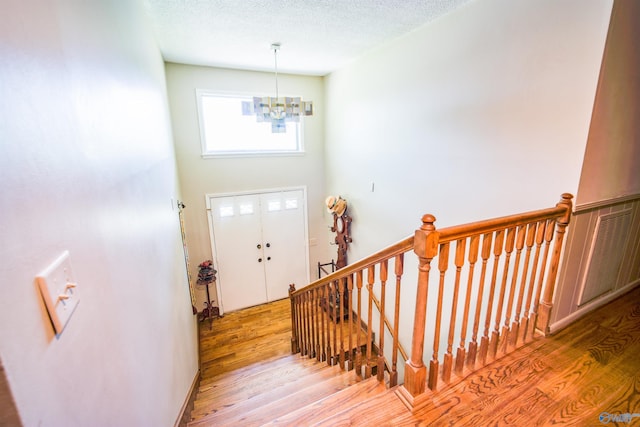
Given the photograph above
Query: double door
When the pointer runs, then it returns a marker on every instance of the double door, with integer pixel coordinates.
(259, 246)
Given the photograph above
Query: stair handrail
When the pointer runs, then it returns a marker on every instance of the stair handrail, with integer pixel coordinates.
(308, 337)
(400, 247)
(532, 231)
(537, 227)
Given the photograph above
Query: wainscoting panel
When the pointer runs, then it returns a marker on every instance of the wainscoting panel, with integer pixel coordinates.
(608, 246)
(601, 259)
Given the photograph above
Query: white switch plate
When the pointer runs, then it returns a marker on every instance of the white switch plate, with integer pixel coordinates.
(59, 291)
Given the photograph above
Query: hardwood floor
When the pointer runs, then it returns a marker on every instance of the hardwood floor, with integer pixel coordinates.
(588, 370)
(245, 337)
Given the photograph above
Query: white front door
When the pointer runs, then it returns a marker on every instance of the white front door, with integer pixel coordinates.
(283, 230)
(259, 246)
(236, 232)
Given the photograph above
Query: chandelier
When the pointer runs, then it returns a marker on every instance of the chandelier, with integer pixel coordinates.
(277, 110)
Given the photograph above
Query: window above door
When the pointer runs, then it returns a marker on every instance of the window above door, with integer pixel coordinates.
(226, 132)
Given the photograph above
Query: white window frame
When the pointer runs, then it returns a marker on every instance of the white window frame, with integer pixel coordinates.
(209, 153)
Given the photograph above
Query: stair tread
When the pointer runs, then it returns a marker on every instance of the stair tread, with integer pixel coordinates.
(267, 382)
(379, 410)
(255, 367)
(257, 394)
(265, 407)
(249, 372)
(316, 411)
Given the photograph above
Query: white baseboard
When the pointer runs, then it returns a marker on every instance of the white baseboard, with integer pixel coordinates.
(187, 401)
(589, 307)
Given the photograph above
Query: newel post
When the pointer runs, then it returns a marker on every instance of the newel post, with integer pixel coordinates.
(544, 312)
(426, 248)
(294, 340)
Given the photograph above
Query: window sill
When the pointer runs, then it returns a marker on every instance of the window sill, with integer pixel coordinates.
(252, 154)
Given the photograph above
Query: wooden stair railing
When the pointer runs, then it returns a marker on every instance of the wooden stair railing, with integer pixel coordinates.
(339, 333)
(513, 293)
(527, 284)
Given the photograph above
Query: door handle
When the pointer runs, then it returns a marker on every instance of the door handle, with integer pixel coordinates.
(268, 245)
(268, 258)
(259, 246)
(259, 259)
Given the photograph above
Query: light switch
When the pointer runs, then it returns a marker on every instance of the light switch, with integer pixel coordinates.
(59, 291)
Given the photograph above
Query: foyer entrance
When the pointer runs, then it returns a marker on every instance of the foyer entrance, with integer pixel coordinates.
(259, 245)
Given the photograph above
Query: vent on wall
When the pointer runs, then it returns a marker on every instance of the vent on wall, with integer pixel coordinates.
(605, 256)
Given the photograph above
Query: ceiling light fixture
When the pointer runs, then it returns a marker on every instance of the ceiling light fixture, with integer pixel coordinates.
(277, 110)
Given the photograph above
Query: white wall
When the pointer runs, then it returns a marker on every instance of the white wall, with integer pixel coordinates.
(484, 112)
(200, 176)
(87, 165)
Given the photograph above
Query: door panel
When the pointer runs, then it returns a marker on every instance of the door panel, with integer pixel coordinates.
(240, 264)
(259, 243)
(283, 225)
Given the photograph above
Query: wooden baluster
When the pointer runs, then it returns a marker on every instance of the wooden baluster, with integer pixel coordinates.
(487, 239)
(337, 300)
(512, 290)
(340, 317)
(434, 365)
(312, 347)
(539, 238)
(399, 268)
(321, 324)
(309, 324)
(299, 304)
(327, 321)
(316, 323)
(495, 335)
(474, 243)
(384, 267)
(294, 340)
(497, 252)
(307, 317)
(303, 325)
(515, 326)
(359, 333)
(544, 315)
(371, 275)
(350, 317)
(426, 248)
(549, 228)
(448, 356)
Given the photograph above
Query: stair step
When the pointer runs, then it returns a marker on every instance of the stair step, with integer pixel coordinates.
(218, 396)
(263, 408)
(318, 410)
(380, 409)
(243, 374)
(261, 388)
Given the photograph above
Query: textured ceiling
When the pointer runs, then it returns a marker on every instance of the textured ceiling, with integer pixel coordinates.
(317, 36)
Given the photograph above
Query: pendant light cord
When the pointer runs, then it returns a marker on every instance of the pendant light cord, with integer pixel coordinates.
(275, 60)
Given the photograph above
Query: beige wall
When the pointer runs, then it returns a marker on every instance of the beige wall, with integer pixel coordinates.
(87, 165)
(610, 180)
(200, 176)
(612, 158)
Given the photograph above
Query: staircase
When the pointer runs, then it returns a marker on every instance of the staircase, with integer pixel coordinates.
(343, 366)
(290, 390)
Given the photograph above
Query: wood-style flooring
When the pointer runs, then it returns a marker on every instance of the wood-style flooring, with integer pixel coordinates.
(244, 337)
(587, 372)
